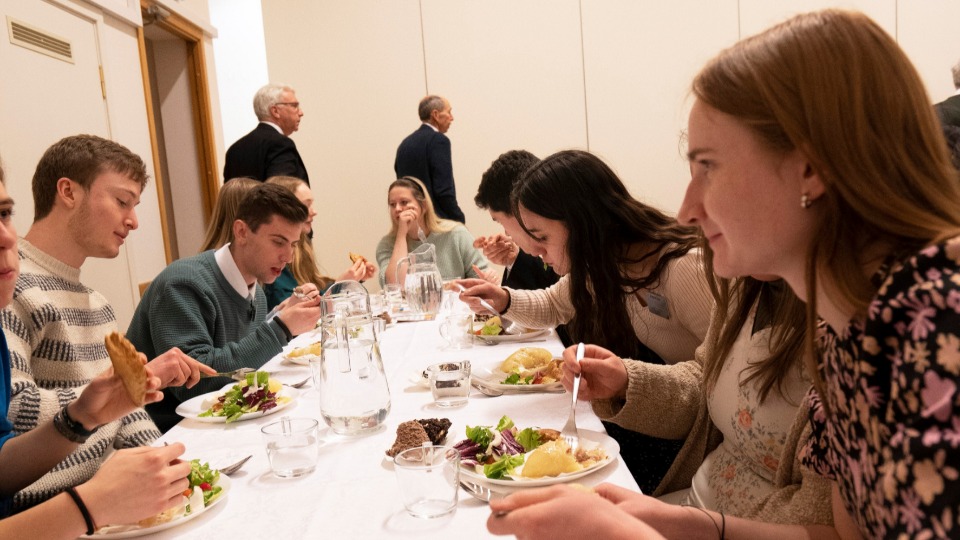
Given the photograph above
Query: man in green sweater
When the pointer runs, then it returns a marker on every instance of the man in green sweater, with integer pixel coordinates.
(211, 305)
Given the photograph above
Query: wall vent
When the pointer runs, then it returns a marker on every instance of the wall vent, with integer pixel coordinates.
(40, 41)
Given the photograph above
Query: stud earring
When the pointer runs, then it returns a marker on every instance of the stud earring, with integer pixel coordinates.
(805, 201)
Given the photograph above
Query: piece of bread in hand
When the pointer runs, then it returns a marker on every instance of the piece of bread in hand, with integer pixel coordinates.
(354, 257)
(127, 365)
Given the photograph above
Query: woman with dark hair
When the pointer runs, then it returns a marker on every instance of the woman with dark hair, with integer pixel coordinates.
(632, 278)
(414, 222)
(794, 174)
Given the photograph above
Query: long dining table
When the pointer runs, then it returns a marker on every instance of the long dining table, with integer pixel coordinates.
(353, 492)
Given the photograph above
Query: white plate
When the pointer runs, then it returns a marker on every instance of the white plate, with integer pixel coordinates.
(223, 482)
(515, 338)
(300, 360)
(193, 407)
(492, 377)
(588, 439)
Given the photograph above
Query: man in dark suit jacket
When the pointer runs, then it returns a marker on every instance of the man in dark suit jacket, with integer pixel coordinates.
(522, 270)
(425, 155)
(268, 150)
(949, 109)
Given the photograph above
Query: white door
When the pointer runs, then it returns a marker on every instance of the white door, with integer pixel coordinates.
(43, 99)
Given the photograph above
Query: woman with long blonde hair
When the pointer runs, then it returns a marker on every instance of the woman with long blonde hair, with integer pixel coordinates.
(303, 269)
(414, 221)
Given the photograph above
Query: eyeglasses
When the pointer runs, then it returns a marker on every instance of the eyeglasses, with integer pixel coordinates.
(294, 104)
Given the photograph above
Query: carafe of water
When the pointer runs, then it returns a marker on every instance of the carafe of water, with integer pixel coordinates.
(354, 396)
(423, 285)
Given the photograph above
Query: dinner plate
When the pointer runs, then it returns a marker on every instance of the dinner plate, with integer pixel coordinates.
(588, 439)
(124, 531)
(193, 407)
(303, 360)
(491, 376)
(515, 338)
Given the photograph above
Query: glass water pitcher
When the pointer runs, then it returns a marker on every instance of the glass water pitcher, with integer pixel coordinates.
(423, 285)
(354, 396)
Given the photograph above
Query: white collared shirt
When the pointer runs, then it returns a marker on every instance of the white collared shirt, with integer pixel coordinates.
(433, 127)
(232, 272)
(274, 126)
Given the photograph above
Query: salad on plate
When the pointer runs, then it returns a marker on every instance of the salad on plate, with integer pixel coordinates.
(258, 393)
(206, 489)
(505, 454)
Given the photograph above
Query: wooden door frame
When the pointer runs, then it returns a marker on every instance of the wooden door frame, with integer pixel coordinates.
(202, 116)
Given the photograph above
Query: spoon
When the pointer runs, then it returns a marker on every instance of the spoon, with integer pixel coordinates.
(230, 469)
(486, 390)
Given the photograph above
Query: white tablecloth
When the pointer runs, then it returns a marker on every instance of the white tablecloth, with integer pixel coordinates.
(353, 492)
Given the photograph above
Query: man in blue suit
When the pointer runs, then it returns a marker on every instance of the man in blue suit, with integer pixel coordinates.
(425, 155)
(268, 150)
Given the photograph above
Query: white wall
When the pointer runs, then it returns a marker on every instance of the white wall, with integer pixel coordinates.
(611, 76)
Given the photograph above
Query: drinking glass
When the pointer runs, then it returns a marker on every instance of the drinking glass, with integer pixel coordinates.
(429, 480)
(293, 446)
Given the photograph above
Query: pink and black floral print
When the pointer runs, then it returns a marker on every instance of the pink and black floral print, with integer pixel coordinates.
(892, 438)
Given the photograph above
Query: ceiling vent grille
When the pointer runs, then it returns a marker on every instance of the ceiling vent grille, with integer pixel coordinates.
(33, 38)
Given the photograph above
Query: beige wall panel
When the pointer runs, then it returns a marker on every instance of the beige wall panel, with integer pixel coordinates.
(928, 33)
(640, 58)
(358, 71)
(127, 108)
(513, 73)
(757, 15)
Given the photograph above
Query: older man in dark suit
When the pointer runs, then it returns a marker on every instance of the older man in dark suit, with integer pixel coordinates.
(425, 155)
(268, 150)
(949, 109)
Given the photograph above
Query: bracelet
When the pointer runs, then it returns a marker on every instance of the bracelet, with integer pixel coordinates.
(72, 430)
(509, 300)
(721, 529)
(91, 527)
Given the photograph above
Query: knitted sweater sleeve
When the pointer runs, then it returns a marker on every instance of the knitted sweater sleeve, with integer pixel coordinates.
(468, 254)
(662, 400)
(30, 404)
(543, 308)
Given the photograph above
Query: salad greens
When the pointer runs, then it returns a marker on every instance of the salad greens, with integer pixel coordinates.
(207, 479)
(500, 449)
(256, 394)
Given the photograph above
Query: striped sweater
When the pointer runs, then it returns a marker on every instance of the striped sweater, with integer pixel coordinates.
(55, 328)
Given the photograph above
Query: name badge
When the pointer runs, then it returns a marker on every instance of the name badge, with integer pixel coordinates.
(658, 305)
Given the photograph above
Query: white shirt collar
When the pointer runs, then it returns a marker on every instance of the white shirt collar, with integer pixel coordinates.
(433, 127)
(232, 272)
(274, 126)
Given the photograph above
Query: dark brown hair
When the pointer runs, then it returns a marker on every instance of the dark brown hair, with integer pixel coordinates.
(604, 224)
(81, 158)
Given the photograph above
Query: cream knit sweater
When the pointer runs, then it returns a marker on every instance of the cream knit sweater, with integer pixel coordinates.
(683, 286)
(55, 328)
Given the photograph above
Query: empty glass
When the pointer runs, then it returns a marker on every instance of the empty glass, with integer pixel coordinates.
(450, 383)
(293, 446)
(429, 480)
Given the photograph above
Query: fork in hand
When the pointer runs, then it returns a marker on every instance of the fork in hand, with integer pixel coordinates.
(569, 432)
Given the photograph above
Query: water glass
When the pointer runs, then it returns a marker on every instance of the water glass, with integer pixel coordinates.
(450, 383)
(429, 480)
(393, 293)
(293, 446)
(457, 329)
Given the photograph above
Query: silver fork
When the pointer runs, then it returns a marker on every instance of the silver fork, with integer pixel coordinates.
(569, 432)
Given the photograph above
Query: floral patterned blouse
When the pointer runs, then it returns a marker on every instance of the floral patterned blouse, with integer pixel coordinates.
(892, 442)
